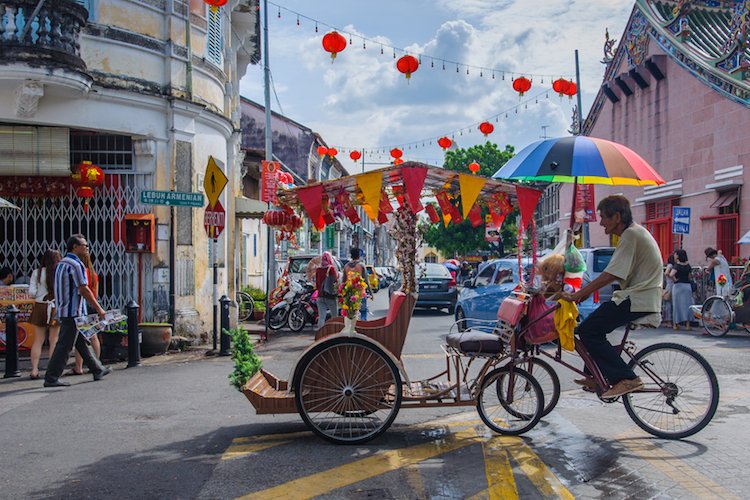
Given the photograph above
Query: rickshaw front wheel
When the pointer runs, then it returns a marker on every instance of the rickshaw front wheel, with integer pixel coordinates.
(511, 401)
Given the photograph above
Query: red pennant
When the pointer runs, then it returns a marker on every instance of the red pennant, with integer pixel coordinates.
(352, 215)
(414, 178)
(311, 198)
(504, 203)
(527, 201)
(385, 203)
(432, 212)
(456, 216)
(382, 218)
(475, 216)
(445, 204)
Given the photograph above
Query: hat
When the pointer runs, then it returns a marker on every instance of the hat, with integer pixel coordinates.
(710, 252)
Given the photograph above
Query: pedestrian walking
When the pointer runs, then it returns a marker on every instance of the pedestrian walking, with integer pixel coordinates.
(93, 280)
(326, 279)
(682, 291)
(71, 287)
(41, 287)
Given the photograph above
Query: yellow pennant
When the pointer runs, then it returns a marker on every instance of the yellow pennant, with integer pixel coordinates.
(446, 219)
(471, 186)
(370, 185)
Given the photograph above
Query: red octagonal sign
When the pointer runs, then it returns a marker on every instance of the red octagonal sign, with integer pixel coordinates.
(213, 220)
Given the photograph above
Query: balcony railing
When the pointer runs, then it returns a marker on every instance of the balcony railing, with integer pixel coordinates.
(45, 37)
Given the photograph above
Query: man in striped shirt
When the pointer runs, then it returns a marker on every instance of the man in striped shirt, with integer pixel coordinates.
(71, 287)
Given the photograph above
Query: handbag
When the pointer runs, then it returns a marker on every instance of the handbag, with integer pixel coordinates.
(544, 330)
(666, 295)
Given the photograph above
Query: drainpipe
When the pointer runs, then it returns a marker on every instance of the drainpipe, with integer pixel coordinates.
(171, 150)
(189, 64)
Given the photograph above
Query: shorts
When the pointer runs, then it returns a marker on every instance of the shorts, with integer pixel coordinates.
(39, 315)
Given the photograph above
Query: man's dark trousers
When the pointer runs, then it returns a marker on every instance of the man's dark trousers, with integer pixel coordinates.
(59, 359)
(593, 333)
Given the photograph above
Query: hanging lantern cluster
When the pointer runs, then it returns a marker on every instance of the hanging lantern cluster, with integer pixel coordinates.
(87, 177)
(322, 151)
(565, 87)
(283, 220)
(334, 43)
(285, 179)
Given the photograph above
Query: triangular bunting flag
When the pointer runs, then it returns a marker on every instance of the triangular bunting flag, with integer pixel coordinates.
(527, 201)
(312, 200)
(370, 185)
(475, 216)
(471, 186)
(413, 183)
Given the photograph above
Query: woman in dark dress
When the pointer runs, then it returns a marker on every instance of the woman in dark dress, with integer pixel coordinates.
(682, 292)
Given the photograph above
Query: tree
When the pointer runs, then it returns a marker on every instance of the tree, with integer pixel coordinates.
(463, 239)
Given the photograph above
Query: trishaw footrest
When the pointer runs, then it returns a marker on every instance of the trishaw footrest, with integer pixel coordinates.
(268, 394)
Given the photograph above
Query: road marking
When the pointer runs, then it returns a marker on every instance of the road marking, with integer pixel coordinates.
(243, 446)
(500, 481)
(366, 468)
(537, 471)
(698, 484)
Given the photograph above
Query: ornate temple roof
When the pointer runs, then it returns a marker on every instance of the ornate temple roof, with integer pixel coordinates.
(708, 38)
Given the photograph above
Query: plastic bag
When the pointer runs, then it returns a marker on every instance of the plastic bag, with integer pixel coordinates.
(574, 262)
(544, 330)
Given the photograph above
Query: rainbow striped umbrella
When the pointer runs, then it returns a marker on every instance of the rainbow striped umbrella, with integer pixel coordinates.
(580, 159)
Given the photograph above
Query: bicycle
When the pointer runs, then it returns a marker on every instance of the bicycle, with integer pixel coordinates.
(717, 313)
(245, 306)
(680, 394)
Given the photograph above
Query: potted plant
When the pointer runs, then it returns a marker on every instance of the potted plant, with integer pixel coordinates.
(114, 341)
(259, 296)
(246, 362)
(155, 338)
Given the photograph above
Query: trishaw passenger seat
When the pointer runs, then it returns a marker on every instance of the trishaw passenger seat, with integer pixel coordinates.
(475, 342)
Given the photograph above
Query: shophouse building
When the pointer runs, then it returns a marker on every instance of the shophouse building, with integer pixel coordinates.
(676, 90)
(146, 90)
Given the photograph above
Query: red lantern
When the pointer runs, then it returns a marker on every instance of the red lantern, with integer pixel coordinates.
(474, 167)
(521, 85)
(215, 4)
(355, 155)
(571, 90)
(276, 218)
(334, 43)
(398, 161)
(396, 153)
(486, 128)
(322, 151)
(560, 86)
(91, 175)
(407, 65)
(444, 143)
(332, 152)
(85, 192)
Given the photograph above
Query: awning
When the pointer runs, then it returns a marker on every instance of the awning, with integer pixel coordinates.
(725, 199)
(247, 208)
(745, 238)
(6, 204)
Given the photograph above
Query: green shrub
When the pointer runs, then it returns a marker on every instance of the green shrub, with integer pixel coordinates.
(246, 362)
(260, 307)
(256, 293)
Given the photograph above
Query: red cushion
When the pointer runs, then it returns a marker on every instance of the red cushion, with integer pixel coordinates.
(397, 298)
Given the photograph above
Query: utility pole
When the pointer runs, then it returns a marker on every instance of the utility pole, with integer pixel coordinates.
(544, 132)
(271, 266)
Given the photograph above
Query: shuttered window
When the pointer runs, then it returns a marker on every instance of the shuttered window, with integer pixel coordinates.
(34, 151)
(215, 45)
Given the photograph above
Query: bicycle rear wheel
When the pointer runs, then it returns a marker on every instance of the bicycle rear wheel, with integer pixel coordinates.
(548, 381)
(687, 391)
(245, 306)
(510, 408)
(716, 316)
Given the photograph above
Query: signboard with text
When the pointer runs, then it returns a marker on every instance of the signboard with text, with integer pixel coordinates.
(268, 181)
(172, 198)
(680, 220)
(214, 219)
(585, 203)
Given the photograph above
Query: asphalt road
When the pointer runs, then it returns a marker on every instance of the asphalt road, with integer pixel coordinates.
(175, 428)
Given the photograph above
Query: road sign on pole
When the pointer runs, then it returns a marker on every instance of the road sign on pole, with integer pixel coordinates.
(214, 219)
(680, 220)
(214, 181)
(172, 198)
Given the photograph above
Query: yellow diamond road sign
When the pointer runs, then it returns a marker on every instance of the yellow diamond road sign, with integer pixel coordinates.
(214, 181)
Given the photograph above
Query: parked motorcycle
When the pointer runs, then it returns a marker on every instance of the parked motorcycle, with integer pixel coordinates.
(279, 314)
(304, 308)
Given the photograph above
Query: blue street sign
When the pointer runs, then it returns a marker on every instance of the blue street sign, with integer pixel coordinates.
(680, 220)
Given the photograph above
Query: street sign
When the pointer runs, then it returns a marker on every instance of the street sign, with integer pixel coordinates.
(172, 198)
(214, 181)
(268, 181)
(680, 220)
(214, 219)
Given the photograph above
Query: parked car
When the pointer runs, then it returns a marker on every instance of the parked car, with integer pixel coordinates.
(437, 288)
(597, 260)
(481, 296)
(297, 266)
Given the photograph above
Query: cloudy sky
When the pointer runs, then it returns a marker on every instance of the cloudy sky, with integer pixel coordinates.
(362, 101)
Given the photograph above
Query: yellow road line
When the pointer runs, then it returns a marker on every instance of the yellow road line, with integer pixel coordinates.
(537, 471)
(698, 484)
(500, 481)
(366, 468)
(243, 446)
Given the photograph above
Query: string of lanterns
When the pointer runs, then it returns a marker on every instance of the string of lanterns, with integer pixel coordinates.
(335, 41)
(446, 141)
